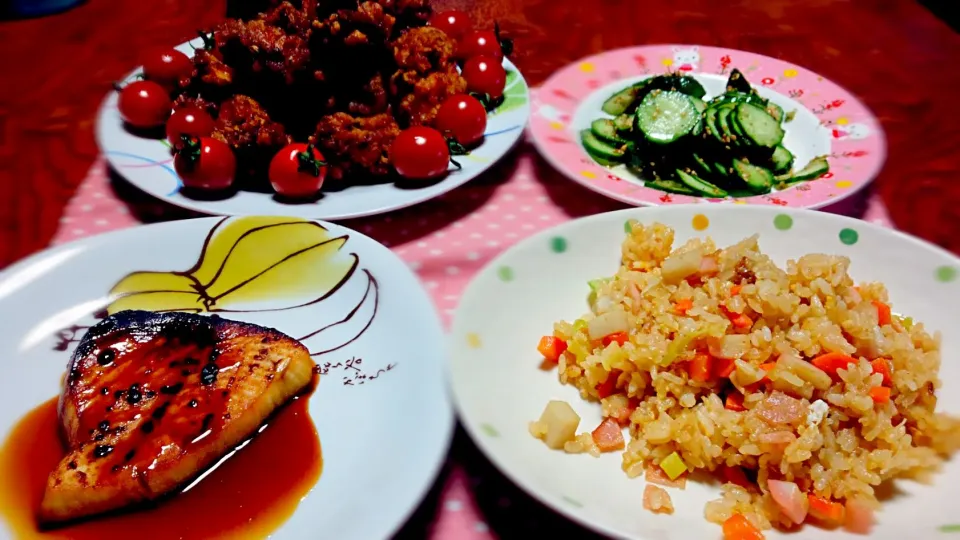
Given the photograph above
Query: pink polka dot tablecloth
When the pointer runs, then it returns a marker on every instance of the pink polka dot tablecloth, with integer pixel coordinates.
(446, 241)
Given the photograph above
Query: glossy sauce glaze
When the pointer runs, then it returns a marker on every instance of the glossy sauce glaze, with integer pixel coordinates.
(249, 494)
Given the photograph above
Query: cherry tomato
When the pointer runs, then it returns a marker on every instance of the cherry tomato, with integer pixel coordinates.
(144, 104)
(192, 121)
(463, 117)
(453, 23)
(420, 153)
(205, 163)
(298, 170)
(485, 75)
(480, 43)
(167, 67)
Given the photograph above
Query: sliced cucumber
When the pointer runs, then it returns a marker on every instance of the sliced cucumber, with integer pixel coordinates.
(781, 160)
(817, 167)
(689, 86)
(670, 186)
(758, 126)
(775, 111)
(738, 83)
(728, 135)
(703, 167)
(622, 101)
(723, 171)
(710, 124)
(607, 131)
(698, 184)
(698, 104)
(624, 123)
(601, 149)
(665, 116)
(759, 180)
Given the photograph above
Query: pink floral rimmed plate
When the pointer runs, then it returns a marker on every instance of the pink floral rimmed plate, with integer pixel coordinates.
(828, 121)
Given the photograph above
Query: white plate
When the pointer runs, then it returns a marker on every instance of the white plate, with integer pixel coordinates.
(146, 163)
(383, 440)
(499, 388)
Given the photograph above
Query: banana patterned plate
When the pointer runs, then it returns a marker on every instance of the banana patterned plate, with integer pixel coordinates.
(381, 419)
(148, 164)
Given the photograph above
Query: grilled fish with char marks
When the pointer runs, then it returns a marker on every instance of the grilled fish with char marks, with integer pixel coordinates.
(152, 400)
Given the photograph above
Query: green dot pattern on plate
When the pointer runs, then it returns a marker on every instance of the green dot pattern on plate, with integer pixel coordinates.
(954, 528)
(783, 222)
(572, 501)
(490, 430)
(505, 273)
(946, 274)
(849, 236)
(627, 228)
(558, 244)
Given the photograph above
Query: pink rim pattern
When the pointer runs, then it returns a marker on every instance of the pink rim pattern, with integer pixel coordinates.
(858, 148)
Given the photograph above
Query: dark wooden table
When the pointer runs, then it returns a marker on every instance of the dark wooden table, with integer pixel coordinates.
(894, 54)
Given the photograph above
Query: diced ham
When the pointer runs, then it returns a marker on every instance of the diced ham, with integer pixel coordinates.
(709, 266)
(779, 408)
(858, 517)
(608, 436)
(655, 475)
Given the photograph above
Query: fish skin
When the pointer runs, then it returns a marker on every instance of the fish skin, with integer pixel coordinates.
(180, 391)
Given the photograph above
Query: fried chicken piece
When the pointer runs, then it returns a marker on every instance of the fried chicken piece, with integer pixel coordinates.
(426, 76)
(278, 42)
(424, 50)
(247, 128)
(418, 106)
(356, 145)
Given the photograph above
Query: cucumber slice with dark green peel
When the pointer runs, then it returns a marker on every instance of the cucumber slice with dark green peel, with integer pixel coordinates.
(689, 86)
(738, 97)
(758, 179)
(775, 111)
(738, 83)
(817, 167)
(665, 116)
(703, 187)
(624, 123)
(698, 104)
(710, 124)
(781, 160)
(606, 130)
(703, 167)
(727, 134)
(602, 149)
(758, 126)
(621, 102)
(723, 171)
(670, 186)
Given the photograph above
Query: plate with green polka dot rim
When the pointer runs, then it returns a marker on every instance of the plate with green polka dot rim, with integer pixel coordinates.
(499, 388)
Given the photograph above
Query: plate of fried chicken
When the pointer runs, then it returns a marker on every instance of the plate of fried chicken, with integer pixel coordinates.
(320, 109)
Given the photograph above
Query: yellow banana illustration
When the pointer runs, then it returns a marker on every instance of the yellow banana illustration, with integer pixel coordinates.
(247, 264)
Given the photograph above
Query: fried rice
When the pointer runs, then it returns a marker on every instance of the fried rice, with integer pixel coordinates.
(800, 389)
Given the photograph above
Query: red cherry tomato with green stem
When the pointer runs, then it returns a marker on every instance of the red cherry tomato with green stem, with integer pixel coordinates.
(205, 163)
(479, 43)
(167, 67)
(297, 171)
(485, 75)
(144, 104)
(188, 121)
(420, 153)
(454, 23)
(463, 118)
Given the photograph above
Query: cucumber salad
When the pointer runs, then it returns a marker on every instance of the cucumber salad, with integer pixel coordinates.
(667, 132)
